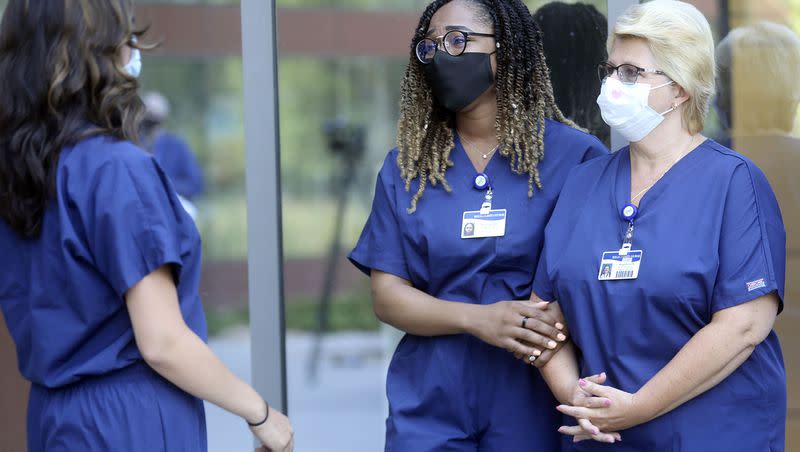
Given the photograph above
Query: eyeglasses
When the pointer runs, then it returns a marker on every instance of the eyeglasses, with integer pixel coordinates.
(455, 43)
(627, 73)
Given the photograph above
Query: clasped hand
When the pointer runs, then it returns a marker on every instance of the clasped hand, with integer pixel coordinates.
(532, 331)
(601, 411)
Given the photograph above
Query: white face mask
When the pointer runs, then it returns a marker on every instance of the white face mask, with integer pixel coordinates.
(134, 66)
(626, 110)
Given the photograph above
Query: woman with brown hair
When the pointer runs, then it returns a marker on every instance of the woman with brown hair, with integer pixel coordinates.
(101, 265)
(455, 232)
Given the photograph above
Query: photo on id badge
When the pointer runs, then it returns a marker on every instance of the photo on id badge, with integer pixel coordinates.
(618, 265)
(482, 224)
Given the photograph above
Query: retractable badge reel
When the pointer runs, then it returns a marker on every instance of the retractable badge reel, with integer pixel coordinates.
(629, 213)
(486, 222)
(625, 262)
(482, 183)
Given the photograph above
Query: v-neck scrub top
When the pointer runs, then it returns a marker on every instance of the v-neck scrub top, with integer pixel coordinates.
(456, 392)
(712, 238)
(115, 219)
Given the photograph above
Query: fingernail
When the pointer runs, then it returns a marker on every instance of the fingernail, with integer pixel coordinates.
(531, 358)
(537, 353)
(582, 382)
(551, 344)
(559, 326)
(607, 402)
(561, 337)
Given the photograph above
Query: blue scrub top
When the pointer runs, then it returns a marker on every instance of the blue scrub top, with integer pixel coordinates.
(179, 162)
(712, 237)
(426, 249)
(115, 219)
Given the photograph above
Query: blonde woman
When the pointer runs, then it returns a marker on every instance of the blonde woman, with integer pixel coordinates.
(681, 331)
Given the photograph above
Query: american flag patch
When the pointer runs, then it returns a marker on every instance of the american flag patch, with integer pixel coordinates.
(757, 284)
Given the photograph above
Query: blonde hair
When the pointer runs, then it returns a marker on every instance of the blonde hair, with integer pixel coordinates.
(758, 76)
(681, 41)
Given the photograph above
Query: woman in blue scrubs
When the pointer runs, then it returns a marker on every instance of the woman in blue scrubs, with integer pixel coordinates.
(456, 228)
(691, 230)
(101, 265)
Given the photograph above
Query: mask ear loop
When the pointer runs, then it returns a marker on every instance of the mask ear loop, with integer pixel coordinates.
(674, 105)
(663, 85)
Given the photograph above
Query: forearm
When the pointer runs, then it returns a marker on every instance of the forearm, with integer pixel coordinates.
(415, 312)
(709, 357)
(189, 364)
(729, 368)
(561, 373)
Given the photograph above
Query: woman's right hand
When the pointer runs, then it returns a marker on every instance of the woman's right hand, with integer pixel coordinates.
(276, 434)
(501, 324)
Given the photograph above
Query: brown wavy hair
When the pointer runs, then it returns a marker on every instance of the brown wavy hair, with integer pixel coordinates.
(524, 100)
(62, 79)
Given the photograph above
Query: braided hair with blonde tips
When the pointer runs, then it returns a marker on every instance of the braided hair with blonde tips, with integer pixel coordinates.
(524, 100)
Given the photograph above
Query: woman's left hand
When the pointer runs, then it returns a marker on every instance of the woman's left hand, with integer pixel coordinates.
(623, 410)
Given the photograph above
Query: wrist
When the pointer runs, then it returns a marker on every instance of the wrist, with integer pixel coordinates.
(642, 406)
(259, 414)
(467, 316)
(570, 392)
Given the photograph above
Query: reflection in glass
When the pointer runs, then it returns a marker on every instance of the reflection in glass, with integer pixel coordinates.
(574, 39)
(757, 101)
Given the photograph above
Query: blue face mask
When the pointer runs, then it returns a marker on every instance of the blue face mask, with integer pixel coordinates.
(134, 66)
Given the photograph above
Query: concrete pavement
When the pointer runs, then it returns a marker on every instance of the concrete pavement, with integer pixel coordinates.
(343, 410)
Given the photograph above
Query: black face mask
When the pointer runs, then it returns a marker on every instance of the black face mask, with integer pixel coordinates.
(458, 81)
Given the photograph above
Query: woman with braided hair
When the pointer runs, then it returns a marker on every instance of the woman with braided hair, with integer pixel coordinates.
(455, 232)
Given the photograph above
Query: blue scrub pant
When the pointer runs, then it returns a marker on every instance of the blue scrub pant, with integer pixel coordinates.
(457, 393)
(132, 409)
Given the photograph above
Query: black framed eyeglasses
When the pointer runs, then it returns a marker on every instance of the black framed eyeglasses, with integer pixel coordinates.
(454, 43)
(627, 73)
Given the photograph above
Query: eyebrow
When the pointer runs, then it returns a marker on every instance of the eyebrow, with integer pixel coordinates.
(623, 62)
(450, 28)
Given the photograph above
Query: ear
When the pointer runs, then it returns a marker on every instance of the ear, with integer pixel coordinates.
(681, 96)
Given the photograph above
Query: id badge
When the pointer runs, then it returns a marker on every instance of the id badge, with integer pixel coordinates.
(616, 265)
(479, 224)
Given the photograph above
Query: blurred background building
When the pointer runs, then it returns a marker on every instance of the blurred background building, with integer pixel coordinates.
(343, 60)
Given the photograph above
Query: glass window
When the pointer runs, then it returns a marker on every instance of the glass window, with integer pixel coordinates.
(200, 76)
(755, 113)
